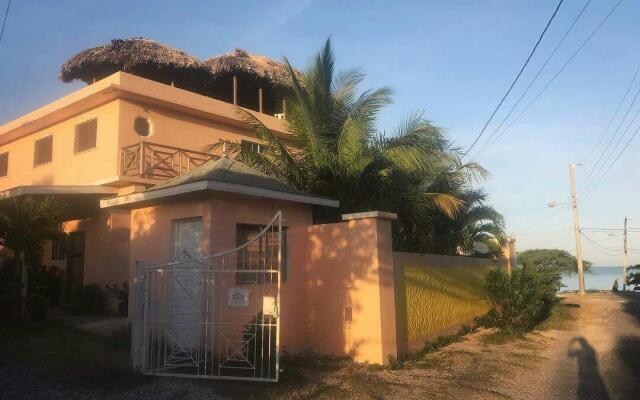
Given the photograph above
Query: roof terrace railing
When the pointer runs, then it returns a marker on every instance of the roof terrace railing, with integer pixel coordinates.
(158, 161)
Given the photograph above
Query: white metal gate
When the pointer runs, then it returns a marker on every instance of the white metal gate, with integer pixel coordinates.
(212, 317)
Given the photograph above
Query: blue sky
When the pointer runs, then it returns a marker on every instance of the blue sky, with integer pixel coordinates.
(453, 60)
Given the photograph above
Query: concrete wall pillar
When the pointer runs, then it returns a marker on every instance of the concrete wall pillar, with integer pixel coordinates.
(372, 295)
(350, 285)
(510, 254)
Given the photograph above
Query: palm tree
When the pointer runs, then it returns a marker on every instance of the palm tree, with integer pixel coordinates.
(477, 229)
(25, 225)
(334, 150)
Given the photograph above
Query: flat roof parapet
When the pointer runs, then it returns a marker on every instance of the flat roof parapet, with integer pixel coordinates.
(370, 214)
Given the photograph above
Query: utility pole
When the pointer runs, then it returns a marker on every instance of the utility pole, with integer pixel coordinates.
(624, 267)
(576, 228)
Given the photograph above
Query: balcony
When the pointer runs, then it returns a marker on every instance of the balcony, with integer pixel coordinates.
(158, 162)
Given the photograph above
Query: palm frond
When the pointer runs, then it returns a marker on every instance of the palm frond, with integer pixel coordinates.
(447, 203)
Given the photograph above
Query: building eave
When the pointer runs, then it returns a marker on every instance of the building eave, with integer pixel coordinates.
(133, 88)
(57, 190)
(215, 186)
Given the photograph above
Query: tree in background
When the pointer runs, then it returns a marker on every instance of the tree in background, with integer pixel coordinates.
(633, 275)
(550, 265)
(335, 150)
(25, 225)
(558, 260)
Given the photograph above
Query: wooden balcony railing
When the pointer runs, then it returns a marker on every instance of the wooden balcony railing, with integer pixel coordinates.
(158, 161)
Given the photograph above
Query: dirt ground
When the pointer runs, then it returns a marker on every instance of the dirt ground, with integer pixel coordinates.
(589, 349)
(597, 358)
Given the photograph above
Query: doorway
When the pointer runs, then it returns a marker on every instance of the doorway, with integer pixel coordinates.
(75, 263)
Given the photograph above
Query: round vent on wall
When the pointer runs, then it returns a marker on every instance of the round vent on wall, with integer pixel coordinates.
(143, 126)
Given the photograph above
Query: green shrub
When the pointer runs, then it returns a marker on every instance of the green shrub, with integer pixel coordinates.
(520, 300)
(260, 333)
(89, 299)
(37, 303)
(8, 288)
(49, 283)
(44, 290)
(122, 294)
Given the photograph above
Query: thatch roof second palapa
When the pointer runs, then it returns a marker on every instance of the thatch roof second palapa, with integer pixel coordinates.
(139, 56)
(241, 62)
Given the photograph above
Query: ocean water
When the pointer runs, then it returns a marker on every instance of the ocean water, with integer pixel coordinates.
(600, 278)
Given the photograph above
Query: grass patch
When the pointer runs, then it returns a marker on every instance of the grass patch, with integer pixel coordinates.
(67, 355)
(563, 317)
(499, 337)
(80, 360)
(420, 357)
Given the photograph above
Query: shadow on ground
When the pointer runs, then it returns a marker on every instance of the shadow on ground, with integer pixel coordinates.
(590, 383)
(626, 356)
(632, 304)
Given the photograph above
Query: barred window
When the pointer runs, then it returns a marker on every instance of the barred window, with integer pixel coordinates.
(57, 249)
(86, 134)
(262, 254)
(43, 151)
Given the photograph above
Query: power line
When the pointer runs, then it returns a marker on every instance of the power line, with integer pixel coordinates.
(544, 89)
(601, 248)
(4, 22)
(615, 133)
(488, 143)
(541, 220)
(530, 210)
(545, 232)
(613, 163)
(622, 136)
(515, 80)
(615, 114)
(615, 147)
(611, 229)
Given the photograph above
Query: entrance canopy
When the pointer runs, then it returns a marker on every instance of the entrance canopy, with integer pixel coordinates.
(82, 200)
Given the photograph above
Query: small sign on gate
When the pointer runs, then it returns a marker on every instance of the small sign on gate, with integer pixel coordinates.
(269, 305)
(238, 297)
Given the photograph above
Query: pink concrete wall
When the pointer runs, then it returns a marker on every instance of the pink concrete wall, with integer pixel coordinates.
(350, 288)
(338, 297)
(66, 167)
(106, 247)
(151, 243)
(180, 118)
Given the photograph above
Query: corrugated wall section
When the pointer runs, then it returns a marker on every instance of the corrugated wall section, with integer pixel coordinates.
(436, 295)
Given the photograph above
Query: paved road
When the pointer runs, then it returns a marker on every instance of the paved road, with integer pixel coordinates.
(599, 358)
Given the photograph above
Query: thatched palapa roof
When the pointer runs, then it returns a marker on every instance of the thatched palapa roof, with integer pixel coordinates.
(244, 64)
(139, 56)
